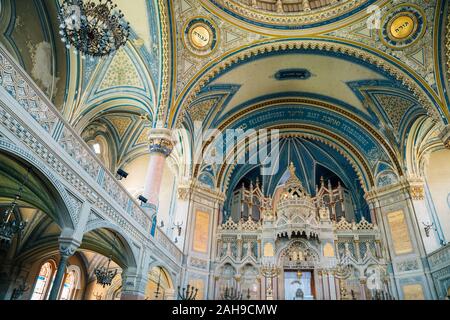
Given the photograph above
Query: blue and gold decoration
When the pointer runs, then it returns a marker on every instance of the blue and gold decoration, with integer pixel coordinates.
(200, 36)
(402, 27)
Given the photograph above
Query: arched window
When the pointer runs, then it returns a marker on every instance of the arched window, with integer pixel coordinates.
(71, 283)
(43, 281)
(68, 286)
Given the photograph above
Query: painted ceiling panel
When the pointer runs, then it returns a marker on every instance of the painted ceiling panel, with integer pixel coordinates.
(329, 77)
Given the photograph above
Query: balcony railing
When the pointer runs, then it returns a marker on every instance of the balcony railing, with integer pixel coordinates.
(22, 88)
(440, 258)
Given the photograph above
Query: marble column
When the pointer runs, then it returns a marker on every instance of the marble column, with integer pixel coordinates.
(362, 288)
(160, 147)
(66, 250)
(326, 287)
(332, 285)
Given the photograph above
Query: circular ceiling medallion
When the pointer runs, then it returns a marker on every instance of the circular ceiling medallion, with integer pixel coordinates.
(402, 27)
(200, 36)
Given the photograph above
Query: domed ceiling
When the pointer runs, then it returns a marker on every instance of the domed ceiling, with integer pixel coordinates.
(290, 14)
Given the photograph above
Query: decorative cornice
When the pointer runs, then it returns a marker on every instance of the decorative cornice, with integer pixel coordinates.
(166, 59)
(447, 45)
(303, 13)
(412, 187)
(197, 188)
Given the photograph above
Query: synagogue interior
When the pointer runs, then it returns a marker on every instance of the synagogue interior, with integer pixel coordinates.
(224, 150)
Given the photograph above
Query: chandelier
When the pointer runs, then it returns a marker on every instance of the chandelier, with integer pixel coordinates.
(9, 227)
(187, 294)
(93, 29)
(104, 275)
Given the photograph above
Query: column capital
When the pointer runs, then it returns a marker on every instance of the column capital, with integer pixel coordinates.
(405, 188)
(68, 247)
(161, 141)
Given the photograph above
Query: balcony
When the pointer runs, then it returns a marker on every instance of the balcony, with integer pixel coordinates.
(30, 119)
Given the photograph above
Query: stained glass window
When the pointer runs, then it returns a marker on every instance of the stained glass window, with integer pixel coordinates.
(68, 286)
(42, 282)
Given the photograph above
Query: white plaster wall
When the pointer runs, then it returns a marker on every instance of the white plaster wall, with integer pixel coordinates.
(169, 212)
(438, 177)
(137, 170)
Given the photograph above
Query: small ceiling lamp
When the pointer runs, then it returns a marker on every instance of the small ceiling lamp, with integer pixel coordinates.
(92, 29)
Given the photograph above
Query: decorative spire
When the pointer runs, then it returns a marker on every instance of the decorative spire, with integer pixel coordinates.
(293, 181)
(292, 169)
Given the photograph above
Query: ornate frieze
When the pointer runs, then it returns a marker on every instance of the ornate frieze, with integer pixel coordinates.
(408, 265)
(248, 225)
(294, 14)
(18, 84)
(363, 225)
(198, 263)
(439, 258)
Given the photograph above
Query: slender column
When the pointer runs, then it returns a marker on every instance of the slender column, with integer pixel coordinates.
(362, 286)
(239, 249)
(67, 249)
(326, 289)
(160, 146)
(332, 285)
(320, 293)
(357, 250)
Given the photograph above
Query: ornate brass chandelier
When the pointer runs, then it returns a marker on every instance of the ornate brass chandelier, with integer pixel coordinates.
(104, 274)
(9, 226)
(92, 29)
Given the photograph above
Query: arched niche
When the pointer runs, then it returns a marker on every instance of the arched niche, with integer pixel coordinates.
(159, 282)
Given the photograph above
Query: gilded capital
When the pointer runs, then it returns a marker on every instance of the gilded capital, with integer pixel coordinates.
(160, 141)
(416, 189)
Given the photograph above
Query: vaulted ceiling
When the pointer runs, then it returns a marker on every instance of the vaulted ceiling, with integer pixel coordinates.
(332, 71)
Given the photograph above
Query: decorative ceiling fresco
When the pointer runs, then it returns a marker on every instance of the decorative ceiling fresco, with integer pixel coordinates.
(289, 14)
(356, 78)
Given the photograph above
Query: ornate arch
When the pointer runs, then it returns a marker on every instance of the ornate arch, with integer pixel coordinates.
(70, 212)
(424, 94)
(131, 254)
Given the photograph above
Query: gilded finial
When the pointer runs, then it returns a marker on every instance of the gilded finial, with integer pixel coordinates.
(292, 169)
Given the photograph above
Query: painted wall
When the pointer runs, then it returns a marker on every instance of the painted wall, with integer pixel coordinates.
(438, 178)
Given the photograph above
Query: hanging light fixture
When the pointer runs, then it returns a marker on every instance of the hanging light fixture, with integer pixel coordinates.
(158, 285)
(188, 293)
(93, 29)
(9, 226)
(104, 275)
